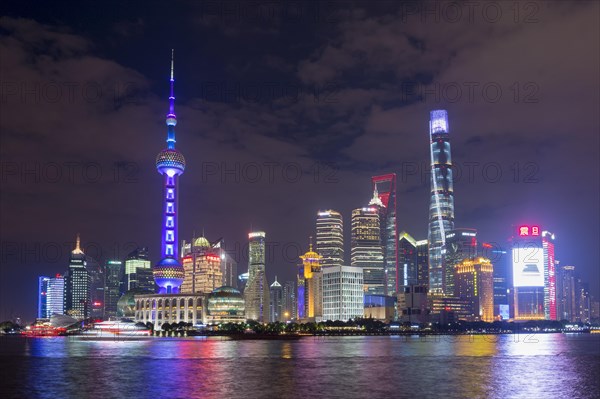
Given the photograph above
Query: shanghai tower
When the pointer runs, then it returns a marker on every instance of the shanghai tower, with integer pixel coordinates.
(441, 208)
(168, 272)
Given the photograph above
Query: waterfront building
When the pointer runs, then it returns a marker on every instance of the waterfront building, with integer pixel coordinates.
(290, 306)
(343, 295)
(168, 308)
(380, 307)
(313, 285)
(112, 287)
(170, 163)
(77, 287)
(367, 251)
(441, 209)
(55, 291)
(137, 268)
(384, 188)
(225, 305)
(474, 281)
(276, 296)
(566, 301)
(256, 293)
(550, 312)
(42, 312)
(202, 268)
(407, 260)
(413, 305)
(461, 244)
(330, 238)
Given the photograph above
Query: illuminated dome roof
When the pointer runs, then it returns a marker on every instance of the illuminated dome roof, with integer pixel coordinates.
(225, 291)
(201, 242)
(310, 256)
(126, 304)
(170, 159)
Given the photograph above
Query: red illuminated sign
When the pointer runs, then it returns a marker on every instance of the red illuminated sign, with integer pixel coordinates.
(529, 231)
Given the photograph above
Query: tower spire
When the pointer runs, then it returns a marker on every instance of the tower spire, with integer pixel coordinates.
(171, 117)
(77, 250)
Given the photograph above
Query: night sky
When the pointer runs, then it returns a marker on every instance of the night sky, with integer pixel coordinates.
(302, 104)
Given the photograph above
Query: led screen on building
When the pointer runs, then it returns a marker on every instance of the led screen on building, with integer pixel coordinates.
(528, 266)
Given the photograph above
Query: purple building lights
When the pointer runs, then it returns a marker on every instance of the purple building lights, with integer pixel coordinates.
(168, 272)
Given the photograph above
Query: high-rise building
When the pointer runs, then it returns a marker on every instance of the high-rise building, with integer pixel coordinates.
(549, 276)
(343, 295)
(112, 287)
(290, 307)
(55, 296)
(584, 302)
(77, 291)
(567, 301)
(313, 285)
(367, 251)
(43, 297)
(501, 262)
(441, 209)
(168, 272)
(474, 281)
(461, 244)
(136, 265)
(256, 293)
(528, 275)
(202, 268)
(384, 187)
(228, 266)
(423, 263)
(276, 296)
(301, 293)
(96, 273)
(330, 238)
(407, 260)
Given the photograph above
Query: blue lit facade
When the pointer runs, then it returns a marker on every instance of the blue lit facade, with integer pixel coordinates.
(168, 272)
(441, 209)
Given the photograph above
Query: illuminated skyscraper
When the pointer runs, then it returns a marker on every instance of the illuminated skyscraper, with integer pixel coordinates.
(567, 301)
(549, 276)
(367, 251)
(384, 187)
(137, 265)
(276, 295)
(290, 307)
(77, 295)
(55, 301)
(202, 267)
(423, 263)
(168, 272)
(343, 295)
(330, 238)
(441, 209)
(474, 281)
(461, 244)
(256, 293)
(313, 285)
(112, 287)
(407, 260)
(42, 297)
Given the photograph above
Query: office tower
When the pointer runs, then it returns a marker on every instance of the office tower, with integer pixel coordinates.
(549, 276)
(290, 308)
(367, 251)
(330, 238)
(423, 263)
(77, 297)
(313, 285)
(567, 294)
(501, 262)
(228, 266)
(168, 272)
(474, 281)
(42, 297)
(460, 244)
(528, 275)
(137, 263)
(343, 295)
(384, 188)
(584, 304)
(96, 274)
(242, 281)
(112, 287)
(441, 209)
(256, 293)
(276, 296)
(407, 261)
(55, 296)
(301, 294)
(202, 268)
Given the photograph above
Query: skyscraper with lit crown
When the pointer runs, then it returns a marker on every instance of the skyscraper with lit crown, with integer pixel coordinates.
(256, 292)
(313, 285)
(441, 208)
(168, 272)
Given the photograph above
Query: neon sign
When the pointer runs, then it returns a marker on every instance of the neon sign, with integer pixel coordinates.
(525, 231)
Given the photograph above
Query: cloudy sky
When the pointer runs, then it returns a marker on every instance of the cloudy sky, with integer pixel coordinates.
(285, 110)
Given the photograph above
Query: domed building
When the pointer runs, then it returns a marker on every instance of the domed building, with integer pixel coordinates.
(126, 304)
(225, 305)
(202, 267)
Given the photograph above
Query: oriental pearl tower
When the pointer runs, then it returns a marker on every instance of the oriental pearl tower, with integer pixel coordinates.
(168, 272)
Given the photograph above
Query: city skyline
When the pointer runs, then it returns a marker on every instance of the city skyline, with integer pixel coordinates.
(232, 207)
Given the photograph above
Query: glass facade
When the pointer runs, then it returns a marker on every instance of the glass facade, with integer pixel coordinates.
(343, 295)
(367, 251)
(256, 292)
(330, 238)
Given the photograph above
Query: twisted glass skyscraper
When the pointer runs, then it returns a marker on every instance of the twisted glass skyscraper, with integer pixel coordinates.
(441, 208)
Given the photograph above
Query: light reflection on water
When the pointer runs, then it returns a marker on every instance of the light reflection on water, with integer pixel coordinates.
(492, 366)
